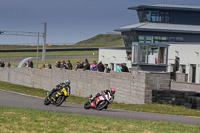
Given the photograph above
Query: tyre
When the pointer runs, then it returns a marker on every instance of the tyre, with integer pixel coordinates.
(102, 105)
(87, 105)
(60, 100)
(47, 101)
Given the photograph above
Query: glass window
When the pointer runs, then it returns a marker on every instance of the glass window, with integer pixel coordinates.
(157, 39)
(164, 39)
(142, 15)
(153, 55)
(143, 53)
(148, 39)
(163, 55)
(141, 39)
(172, 39)
(179, 39)
(157, 16)
(148, 15)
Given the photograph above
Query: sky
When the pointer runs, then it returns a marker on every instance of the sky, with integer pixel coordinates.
(69, 21)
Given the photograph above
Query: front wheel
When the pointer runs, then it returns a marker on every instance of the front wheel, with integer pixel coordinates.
(47, 101)
(60, 100)
(87, 105)
(102, 105)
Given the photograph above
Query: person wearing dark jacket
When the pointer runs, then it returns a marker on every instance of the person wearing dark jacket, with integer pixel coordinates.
(106, 68)
(31, 64)
(100, 67)
(124, 68)
(86, 66)
(69, 65)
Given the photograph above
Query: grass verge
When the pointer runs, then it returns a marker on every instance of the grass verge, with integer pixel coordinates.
(152, 108)
(32, 121)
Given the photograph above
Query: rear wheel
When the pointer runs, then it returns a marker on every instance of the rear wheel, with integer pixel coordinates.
(102, 105)
(87, 105)
(47, 101)
(60, 100)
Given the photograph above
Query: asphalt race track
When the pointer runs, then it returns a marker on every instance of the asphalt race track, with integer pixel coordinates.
(13, 99)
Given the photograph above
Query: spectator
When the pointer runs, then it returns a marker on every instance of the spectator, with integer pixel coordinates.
(58, 64)
(49, 66)
(94, 66)
(130, 70)
(77, 65)
(63, 64)
(124, 68)
(69, 65)
(100, 67)
(28, 63)
(118, 68)
(86, 66)
(86, 60)
(31, 64)
(2, 64)
(81, 65)
(107, 69)
(25, 64)
(43, 66)
(9, 64)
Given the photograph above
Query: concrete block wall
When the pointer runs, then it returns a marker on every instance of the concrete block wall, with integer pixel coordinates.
(180, 86)
(132, 88)
(181, 77)
(156, 81)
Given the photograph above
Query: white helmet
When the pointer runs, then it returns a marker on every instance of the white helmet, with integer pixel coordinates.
(67, 82)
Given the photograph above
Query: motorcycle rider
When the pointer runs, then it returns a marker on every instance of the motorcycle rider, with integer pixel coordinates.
(59, 87)
(110, 92)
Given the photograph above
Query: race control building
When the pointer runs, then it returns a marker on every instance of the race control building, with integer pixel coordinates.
(175, 26)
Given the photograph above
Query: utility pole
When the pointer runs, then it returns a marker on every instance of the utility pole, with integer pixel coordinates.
(44, 45)
(38, 48)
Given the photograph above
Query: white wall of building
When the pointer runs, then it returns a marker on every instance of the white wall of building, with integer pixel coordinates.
(115, 56)
(189, 55)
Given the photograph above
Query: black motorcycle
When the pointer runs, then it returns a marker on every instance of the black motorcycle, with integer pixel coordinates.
(63, 94)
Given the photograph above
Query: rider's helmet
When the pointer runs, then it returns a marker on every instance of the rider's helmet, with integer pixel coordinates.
(67, 82)
(113, 90)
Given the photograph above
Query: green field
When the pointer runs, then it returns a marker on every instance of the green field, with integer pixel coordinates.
(152, 108)
(48, 54)
(13, 120)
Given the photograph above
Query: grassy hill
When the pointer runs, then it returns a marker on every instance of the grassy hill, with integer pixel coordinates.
(102, 40)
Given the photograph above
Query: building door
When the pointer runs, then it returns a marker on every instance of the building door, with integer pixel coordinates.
(112, 66)
(193, 73)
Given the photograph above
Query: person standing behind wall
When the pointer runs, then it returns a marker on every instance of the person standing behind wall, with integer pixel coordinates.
(118, 68)
(31, 64)
(124, 68)
(69, 65)
(100, 67)
(107, 69)
(94, 66)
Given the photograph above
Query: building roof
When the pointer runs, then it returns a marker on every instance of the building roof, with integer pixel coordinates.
(168, 7)
(161, 27)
